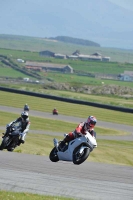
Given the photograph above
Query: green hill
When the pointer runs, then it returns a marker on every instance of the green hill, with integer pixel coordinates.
(75, 41)
(34, 44)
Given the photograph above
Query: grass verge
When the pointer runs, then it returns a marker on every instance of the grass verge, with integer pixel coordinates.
(55, 125)
(69, 109)
(6, 195)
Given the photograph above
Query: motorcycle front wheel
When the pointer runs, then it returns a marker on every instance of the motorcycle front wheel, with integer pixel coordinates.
(79, 158)
(53, 155)
(10, 149)
(6, 141)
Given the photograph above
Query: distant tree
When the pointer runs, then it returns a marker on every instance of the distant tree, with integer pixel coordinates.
(75, 41)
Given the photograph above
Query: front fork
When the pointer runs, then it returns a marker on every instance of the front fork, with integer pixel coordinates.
(56, 144)
(82, 149)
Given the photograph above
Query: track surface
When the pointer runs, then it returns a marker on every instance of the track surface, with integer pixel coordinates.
(88, 181)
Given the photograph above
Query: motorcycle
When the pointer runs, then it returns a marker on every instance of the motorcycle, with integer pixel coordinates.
(11, 138)
(55, 112)
(76, 151)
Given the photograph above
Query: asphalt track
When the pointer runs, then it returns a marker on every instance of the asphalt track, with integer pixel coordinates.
(88, 181)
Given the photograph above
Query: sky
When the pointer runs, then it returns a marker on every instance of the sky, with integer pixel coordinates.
(107, 22)
(124, 3)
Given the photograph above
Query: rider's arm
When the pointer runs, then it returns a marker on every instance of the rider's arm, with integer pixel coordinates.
(78, 129)
(93, 133)
(14, 122)
(27, 128)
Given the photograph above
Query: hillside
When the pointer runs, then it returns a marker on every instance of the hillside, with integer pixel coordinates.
(103, 22)
(12, 74)
(75, 41)
(36, 44)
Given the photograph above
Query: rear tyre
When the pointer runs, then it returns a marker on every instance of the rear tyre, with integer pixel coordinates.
(80, 158)
(53, 155)
(55, 113)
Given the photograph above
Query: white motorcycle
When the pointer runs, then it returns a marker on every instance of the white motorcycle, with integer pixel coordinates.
(76, 151)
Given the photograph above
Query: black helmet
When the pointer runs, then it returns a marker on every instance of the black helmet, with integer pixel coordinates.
(24, 115)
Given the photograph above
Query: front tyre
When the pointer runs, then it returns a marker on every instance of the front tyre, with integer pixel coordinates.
(5, 143)
(10, 149)
(53, 155)
(78, 157)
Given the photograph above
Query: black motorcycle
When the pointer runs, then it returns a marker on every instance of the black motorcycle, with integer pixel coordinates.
(11, 138)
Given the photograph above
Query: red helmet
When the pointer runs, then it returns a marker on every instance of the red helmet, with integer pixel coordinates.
(91, 122)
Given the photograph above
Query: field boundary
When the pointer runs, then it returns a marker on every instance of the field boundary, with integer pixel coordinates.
(68, 100)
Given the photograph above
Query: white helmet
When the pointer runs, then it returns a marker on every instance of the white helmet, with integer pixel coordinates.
(24, 115)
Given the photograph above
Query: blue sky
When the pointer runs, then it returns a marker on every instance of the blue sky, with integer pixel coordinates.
(124, 3)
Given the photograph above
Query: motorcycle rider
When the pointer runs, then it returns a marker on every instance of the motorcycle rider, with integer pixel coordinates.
(55, 111)
(81, 130)
(23, 125)
(26, 107)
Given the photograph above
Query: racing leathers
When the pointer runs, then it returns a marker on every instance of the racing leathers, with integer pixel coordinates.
(79, 131)
(26, 108)
(22, 127)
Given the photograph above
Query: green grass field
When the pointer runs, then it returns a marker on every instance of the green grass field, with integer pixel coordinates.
(41, 144)
(69, 109)
(55, 125)
(126, 101)
(32, 44)
(77, 65)
(84, 80)
(74, 80)
(9, 72)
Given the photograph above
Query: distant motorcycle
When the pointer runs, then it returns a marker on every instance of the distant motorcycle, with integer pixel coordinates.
(76, 151)
(11, 138)
(55, 112)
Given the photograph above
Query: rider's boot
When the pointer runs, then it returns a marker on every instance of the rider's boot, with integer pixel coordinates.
(21, 142)
(22, 139)
(67, 139)
(63, 142)
(61, 145)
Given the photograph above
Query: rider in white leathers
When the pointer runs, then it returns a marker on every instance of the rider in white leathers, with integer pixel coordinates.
(22, 123)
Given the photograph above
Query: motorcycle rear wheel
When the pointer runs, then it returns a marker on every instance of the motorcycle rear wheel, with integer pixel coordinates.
(53, 155)
(78, 158)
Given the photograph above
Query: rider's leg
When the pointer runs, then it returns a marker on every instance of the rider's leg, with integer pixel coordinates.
(22, 139)
(67, 139)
